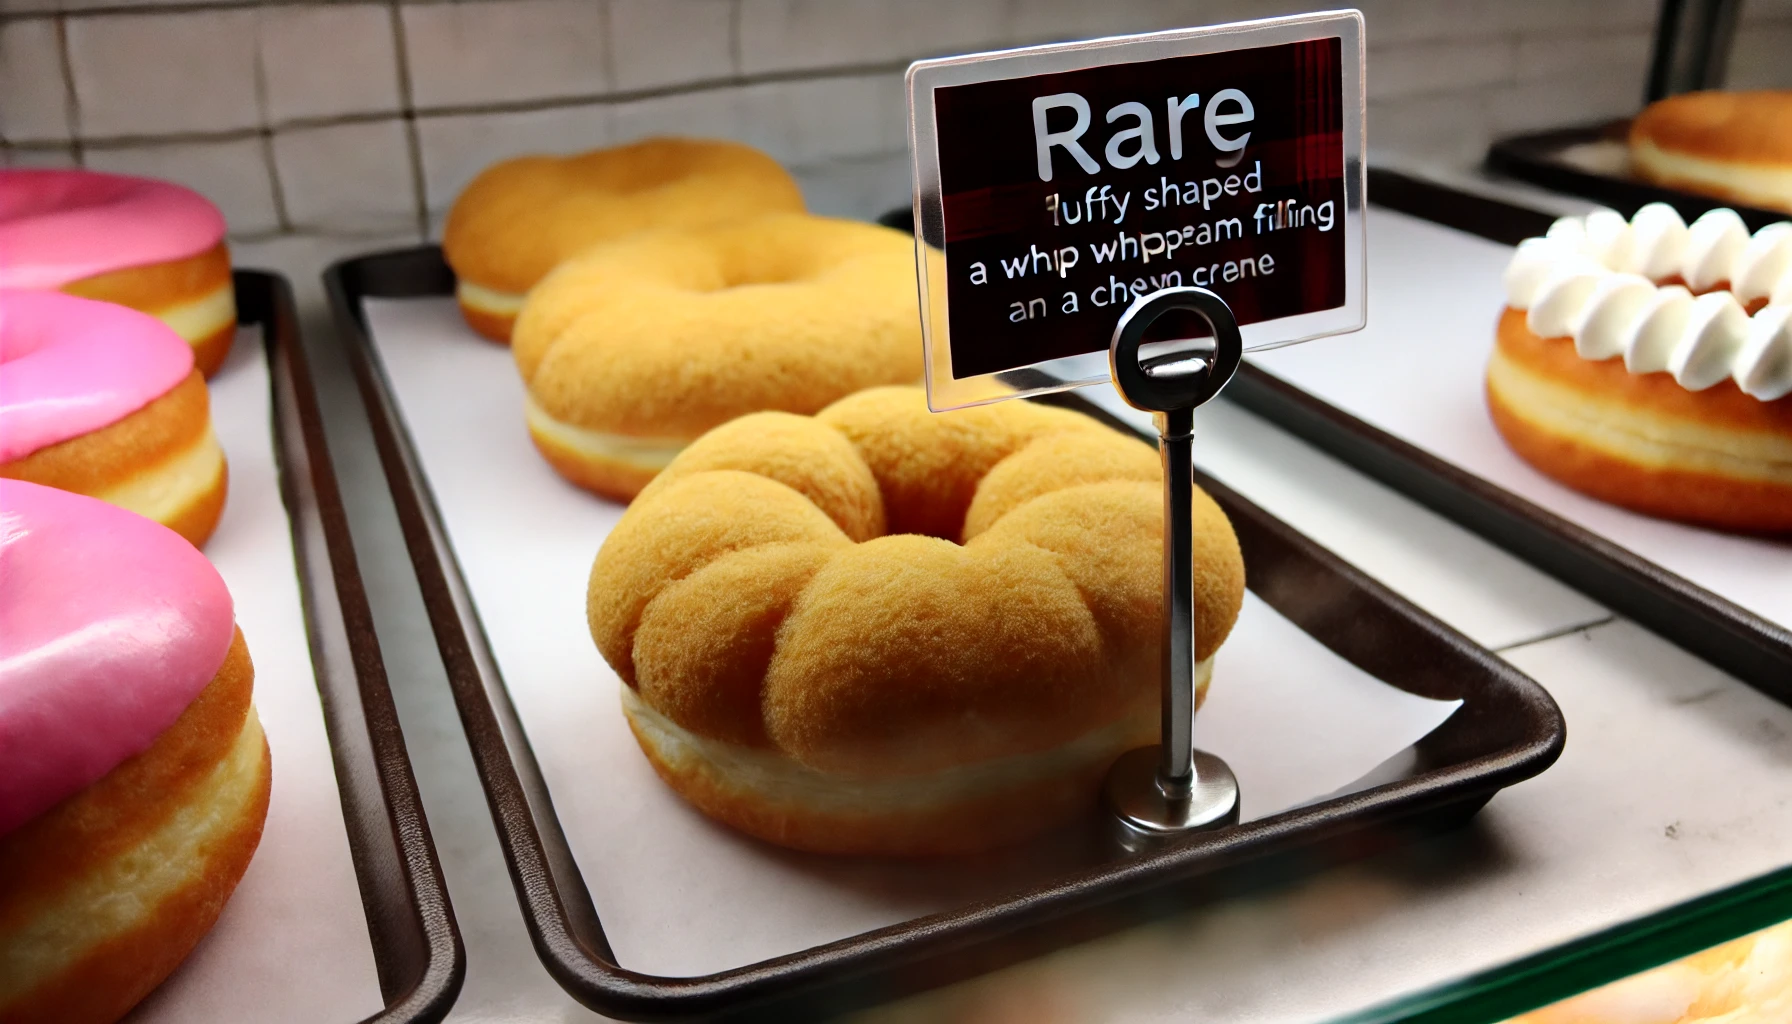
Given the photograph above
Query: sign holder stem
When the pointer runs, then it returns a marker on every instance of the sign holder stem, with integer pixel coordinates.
(1159, 793)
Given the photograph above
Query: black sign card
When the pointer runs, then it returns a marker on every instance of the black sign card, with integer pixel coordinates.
(1057, 185)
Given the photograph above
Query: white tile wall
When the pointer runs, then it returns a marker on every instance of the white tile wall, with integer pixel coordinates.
(782, 35)
(328, 60)
(666, 42)
(465, 54)
(232, 173)
(350, 178)
(33, 101)
(158, 74)
(316, 118)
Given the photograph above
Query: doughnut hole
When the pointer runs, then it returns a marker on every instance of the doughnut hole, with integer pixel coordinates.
(910, 654)
(796, 451)
(1054, 463)
(928, 464)
(702, 661)
(690, 524)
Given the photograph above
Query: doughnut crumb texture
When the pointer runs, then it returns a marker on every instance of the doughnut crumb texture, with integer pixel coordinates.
(885, 631)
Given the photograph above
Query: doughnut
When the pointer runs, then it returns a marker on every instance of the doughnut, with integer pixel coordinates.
(1747, 981)
(150, 245)
(1735, 146)
(105, 401)
(884, 631)
(521, 218)
(633, 349)
(133, 771)
(1649, 364)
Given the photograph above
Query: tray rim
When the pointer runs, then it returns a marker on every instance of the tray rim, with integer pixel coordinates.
(1529, 157)
(418, 952)
(514, 787)
(1747, 645)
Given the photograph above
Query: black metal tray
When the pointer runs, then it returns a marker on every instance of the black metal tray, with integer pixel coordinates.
(1538, 158)
(416, 944)
(1508, 729)
(1740, 642)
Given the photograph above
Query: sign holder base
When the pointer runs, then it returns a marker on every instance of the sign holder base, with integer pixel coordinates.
(1159, 793)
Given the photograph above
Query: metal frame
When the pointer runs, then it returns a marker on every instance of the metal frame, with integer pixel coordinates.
(944, 391)
(1507, 730)
(417, 947)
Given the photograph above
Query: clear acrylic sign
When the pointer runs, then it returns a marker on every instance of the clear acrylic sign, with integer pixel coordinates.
(1056, 185)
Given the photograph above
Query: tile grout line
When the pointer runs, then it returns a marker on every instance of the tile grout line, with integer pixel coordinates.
(1556, 634)
(71, 99)
(407, 112)
(410, 112)
(265, 132)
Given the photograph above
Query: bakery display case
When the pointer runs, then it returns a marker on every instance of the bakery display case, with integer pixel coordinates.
(695, 566)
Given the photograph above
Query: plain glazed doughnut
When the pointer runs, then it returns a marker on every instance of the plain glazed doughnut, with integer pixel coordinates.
(521, 218)
(134, 776)
(1613, 377)
(103, 400)
(633, 349)
(1731, 145)
(892, 632)
(150, 245)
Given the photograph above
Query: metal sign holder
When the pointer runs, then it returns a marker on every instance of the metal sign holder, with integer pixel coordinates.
(1158, 793)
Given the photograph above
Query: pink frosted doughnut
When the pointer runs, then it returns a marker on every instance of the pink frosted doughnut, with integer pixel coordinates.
(104, 401)
(151, 245)
(133, 772)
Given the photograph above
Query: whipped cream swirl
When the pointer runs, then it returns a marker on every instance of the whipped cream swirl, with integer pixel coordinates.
(1595, 279)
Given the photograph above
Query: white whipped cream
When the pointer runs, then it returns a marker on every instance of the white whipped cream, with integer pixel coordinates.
(1594, 279)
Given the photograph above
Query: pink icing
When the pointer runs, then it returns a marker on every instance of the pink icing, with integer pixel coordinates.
(110, 625)
(58, 226)
(70, 366)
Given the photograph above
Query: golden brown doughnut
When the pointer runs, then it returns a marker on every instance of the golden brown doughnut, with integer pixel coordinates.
(887, 631)
(519, 219)
(635, 348)
(1731, 145)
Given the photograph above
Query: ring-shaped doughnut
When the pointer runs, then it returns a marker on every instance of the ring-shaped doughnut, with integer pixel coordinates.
(888, 631)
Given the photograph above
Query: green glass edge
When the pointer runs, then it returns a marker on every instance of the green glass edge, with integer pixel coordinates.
(1600, 958)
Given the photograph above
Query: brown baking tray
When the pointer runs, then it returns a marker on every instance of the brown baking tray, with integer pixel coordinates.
(1753, 649)
(1508, 729)
(416, 944)
(1547, 159)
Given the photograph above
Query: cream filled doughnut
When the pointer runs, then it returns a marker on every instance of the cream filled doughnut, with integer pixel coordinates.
(150, 245)
(1648, 363)
(133, 771)
(103, 400)
(885, 631)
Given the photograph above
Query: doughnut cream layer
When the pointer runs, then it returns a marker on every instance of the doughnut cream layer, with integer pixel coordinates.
(110, 626)
(151, 245)
(1665, 296)
(103, 400)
